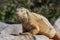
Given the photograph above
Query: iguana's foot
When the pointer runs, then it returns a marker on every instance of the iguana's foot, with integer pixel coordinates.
(27, 33)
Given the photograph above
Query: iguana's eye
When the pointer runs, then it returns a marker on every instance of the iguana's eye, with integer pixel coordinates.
(21, 7)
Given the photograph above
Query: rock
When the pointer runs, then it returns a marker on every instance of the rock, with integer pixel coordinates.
(41, 37)
(20, 37)
(3, 26)
(23, 37)
(10, 29)
(6, 37)
(57, 25)
(13, 29)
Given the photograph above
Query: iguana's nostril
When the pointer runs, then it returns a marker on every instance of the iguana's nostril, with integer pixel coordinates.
(21, 10)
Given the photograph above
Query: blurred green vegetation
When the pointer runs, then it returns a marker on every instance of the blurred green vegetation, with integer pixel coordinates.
(48, 8)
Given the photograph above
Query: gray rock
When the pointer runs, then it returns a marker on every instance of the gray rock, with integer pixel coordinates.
(7, 29)
(20, 37)
(12, 29)
(6, 37)
(23, 37)
(57, 25)
(3, 26)
(41, 37)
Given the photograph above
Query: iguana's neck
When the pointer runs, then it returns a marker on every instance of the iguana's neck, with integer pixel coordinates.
(24, 21)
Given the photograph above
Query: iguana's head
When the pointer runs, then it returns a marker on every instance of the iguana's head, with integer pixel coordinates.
(22, 13)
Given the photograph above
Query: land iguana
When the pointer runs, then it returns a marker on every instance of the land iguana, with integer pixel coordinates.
(36, 24)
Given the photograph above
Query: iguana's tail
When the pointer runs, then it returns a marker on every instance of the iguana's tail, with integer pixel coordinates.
(57, 37)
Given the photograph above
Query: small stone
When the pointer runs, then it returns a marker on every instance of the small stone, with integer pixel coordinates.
(41, 37)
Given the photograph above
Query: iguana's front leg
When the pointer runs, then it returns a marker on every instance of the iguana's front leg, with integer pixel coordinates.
(31, 31)
(35, 29)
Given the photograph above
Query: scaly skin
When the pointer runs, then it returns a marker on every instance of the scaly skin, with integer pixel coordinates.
(36, 24)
